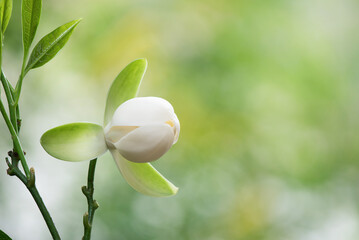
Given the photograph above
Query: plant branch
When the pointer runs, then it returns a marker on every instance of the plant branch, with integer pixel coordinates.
(15, 138)
(21, 78)
(92, 204)
(30, 185)
(18, 154)
(10, 99)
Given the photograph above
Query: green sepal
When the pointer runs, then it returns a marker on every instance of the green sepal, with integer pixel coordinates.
(124, 87)
(75, 141)
(143, 177)
(30, 18)
(50, 45)
(5, 13)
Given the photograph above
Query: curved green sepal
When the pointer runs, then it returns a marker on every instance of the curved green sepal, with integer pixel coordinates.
(50, 45)
(75, 141)
(6, 6)
(30, 18)
(124, 87)
(143, 177)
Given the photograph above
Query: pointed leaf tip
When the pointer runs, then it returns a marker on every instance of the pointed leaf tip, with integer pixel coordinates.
(50, 45)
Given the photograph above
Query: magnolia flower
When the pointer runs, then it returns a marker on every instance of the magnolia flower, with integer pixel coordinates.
(138, 130)
(143, 129)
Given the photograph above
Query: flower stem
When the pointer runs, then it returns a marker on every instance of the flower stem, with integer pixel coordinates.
(92, 204)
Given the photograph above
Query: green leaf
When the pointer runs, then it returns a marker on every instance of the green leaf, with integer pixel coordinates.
(4, 236)
(75, 141)
(144, 178)
(30, 11)
(125, 86)
(50, 45)
(5, 13)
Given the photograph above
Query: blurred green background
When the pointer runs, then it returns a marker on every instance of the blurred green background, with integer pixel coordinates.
(267, 96)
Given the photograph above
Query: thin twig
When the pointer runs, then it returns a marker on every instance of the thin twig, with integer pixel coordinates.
(92, 204)
(13, 170)
(16, 141)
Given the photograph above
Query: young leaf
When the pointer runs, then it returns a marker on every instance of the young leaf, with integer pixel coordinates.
(50, 45)
(6, 14)
(75, 141)
(125, 86)
(4, 236)
(144, 178)
(30, 11)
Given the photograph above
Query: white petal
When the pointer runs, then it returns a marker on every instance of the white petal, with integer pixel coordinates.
(115, 133)
(142, 111)
(146, 143)
(176, 128)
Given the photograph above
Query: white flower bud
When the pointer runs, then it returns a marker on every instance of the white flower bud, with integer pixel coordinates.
(143, 129)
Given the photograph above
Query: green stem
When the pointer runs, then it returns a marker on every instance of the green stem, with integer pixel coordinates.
(29, 179)
(30, 185)
(7, 88)
(10, 100)
(18, 119)
(21, 78)
(13, 124)
(92, 204)
(16, 140)
(45, 213)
